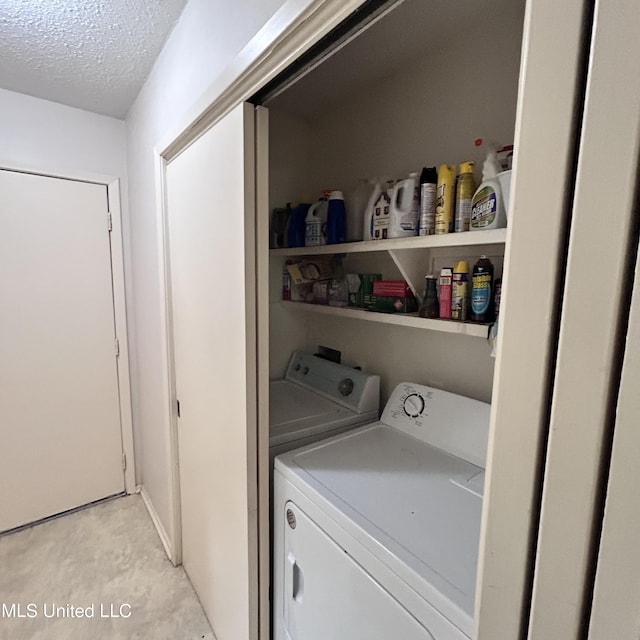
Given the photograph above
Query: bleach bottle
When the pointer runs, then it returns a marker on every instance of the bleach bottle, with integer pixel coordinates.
(487, 206)
(404, 215)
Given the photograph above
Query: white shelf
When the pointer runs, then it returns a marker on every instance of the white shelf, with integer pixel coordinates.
(400, 319)
(464, 239)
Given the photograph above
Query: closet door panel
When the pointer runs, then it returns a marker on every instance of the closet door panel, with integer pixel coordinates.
(211, 219)
(615, 612)
(593, 324)
(545, 139)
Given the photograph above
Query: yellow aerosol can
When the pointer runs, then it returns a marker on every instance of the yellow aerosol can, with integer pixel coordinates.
(461, 293)
(465, 189)
(445, 198)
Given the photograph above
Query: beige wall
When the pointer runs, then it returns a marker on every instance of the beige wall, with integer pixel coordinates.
(205, 40)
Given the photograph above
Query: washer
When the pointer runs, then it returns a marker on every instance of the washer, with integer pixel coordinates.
(318, 398)
(377, 529)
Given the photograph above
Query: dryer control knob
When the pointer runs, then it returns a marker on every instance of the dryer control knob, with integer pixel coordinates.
(413, 405)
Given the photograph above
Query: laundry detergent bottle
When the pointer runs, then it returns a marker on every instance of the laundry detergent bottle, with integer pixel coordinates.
(404, 214)
(367, 223)
(314, 235)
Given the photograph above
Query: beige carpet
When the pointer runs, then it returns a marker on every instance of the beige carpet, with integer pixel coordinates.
(106, 558)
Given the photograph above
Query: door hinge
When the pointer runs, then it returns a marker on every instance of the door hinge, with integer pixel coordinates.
(109, 222)
(124, 461)
(178, 407)
(117, 347)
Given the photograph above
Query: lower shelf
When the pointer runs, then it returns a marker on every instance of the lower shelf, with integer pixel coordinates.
(400, 319)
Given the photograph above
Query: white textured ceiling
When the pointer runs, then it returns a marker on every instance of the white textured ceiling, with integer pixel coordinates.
(90, 54)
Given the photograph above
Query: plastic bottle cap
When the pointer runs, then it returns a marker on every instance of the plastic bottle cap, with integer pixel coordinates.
(462, 266)
(336, 195)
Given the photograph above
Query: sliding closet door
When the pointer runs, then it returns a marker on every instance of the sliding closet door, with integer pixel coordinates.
(595, 314)
(546, 131)
(211, 220)
(615, 612)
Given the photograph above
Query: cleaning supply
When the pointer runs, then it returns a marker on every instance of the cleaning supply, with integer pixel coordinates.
(428, 188)
(445, 197)
(504, 179)
(316, 233)
(356, 201)
(381, 213)
(444, 293)
(296, 229)
(487, 208)
(429, 307)
(460, 291)
(313, 236)
(465, 188)
(404, 211)
(336, 218)
(367, 227)
(482, 291)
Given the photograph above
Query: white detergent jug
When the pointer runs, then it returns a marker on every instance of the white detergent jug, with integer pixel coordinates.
(404, 215)
(367, 227)
(316, 224)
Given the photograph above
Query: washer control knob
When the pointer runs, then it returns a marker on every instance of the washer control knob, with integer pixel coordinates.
(346, 386)
(305, 370)
(413, 405)
(296, 366)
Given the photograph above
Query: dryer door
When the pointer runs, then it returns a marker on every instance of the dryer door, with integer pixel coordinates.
(329, 595)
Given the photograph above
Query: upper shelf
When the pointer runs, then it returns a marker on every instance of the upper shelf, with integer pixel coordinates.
(464, 239)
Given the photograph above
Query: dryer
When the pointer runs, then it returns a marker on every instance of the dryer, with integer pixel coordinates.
(318, 398)
(377, 529)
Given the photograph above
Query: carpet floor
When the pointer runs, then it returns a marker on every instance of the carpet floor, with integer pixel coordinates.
(105, 560)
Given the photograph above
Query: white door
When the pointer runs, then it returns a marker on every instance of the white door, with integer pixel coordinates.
(546, 127)
(60, 431)
(595, 310)
(211, 216)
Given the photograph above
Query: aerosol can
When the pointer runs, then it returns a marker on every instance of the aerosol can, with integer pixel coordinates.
(445, 199)
(465, 189)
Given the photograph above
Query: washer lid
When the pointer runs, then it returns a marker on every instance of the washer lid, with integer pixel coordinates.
(294, 409)
(416, 507)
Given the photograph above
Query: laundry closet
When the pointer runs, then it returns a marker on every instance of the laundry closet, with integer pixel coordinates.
(417, 88)
(354, 91)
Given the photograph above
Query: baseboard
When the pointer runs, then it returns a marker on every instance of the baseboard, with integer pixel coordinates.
(162, 534)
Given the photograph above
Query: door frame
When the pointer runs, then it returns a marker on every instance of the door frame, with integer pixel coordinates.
(119, 299)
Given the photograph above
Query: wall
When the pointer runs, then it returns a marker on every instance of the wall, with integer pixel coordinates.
(49, 135)
(205, 40)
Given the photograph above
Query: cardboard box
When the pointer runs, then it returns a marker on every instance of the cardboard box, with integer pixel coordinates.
(393, 288)
(394, 304)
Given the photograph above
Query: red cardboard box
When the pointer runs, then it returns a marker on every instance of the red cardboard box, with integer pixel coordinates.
(392, 289)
